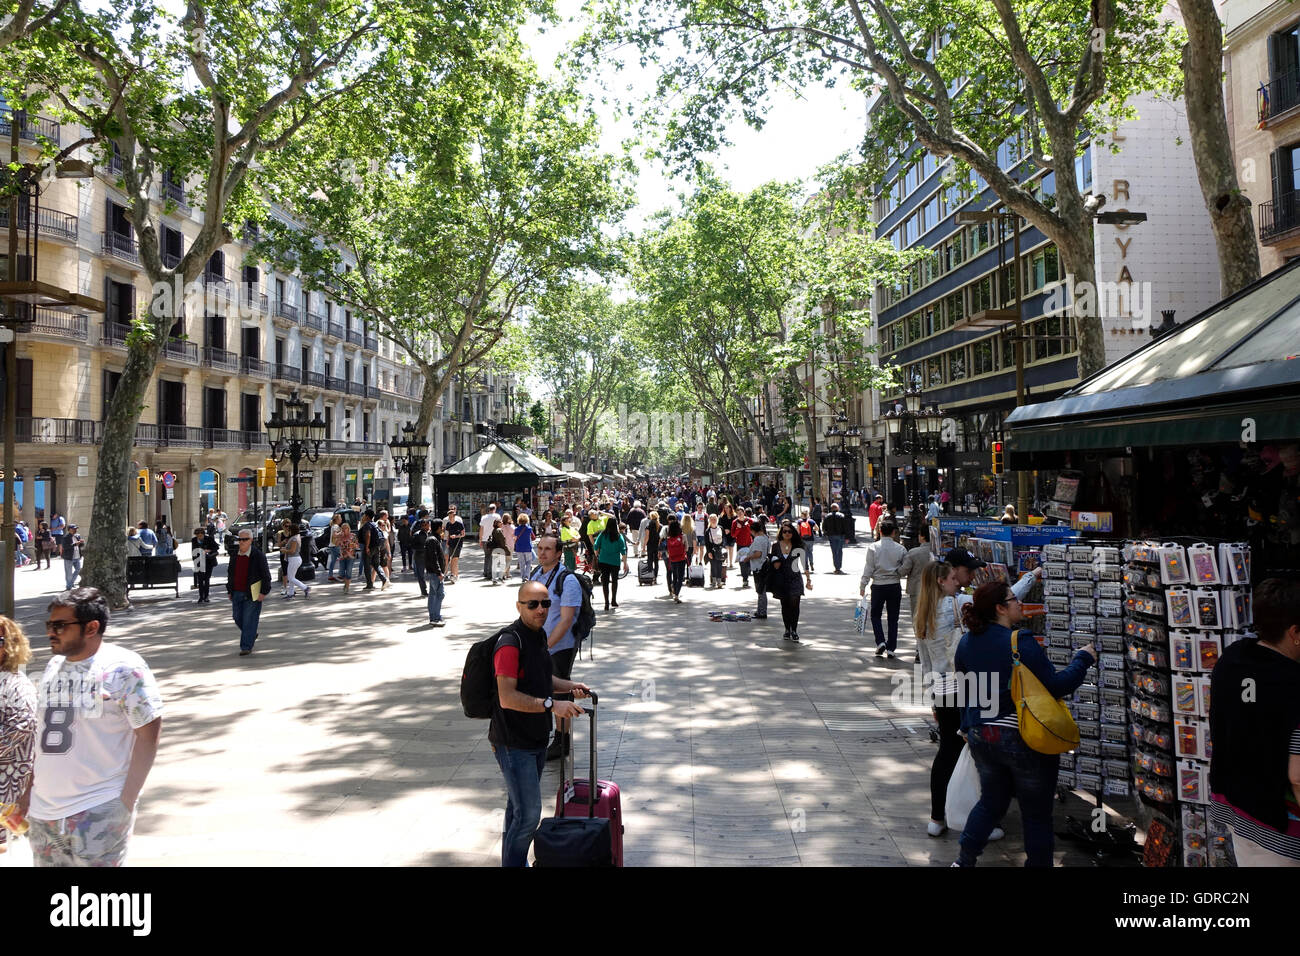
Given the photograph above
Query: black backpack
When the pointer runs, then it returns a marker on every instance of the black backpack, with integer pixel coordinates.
(478, 682)
(585, 620)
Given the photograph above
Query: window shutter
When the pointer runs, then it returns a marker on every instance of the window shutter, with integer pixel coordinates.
(23, 409)
(1275, 168)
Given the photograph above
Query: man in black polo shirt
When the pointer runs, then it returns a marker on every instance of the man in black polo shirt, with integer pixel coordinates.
(521, 719)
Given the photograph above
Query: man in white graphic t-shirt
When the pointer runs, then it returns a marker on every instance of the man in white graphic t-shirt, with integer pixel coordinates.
(99, 718)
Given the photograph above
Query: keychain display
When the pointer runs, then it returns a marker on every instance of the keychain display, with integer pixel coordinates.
(1207, 614)
(1173, 564)
(1179, 602)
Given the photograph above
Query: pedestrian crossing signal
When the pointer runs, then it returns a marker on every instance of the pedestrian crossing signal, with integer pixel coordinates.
(142, 481)
(998, 466)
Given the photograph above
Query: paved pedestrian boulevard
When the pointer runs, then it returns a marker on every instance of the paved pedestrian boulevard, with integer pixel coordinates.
(340, 741)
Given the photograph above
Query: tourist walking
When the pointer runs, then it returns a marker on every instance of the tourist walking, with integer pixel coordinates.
(882, 572)
(203, 552)
(17, 717)
(611, 552)
(913, 567)
(348, 547)
(570, 540)
(73, 548)
(248, 581)
(674, 547)
(336, 523)
(716, 551)
(754, 556)
(454, 528)
(523, 546)
(837, 527)
(808, 533)
(1007, 765)
(44, 544)
(693, 541)
(435, 568)
(293, 563)
(786, 561)
(743, 535)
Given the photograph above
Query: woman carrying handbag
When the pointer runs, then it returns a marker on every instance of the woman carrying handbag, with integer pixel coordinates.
(784, 583)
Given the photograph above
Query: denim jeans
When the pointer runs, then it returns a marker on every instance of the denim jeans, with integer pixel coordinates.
(246, 613)
(523, 772)
(334, 559)
(837, 549)
(676, 575)
(436, 591)
(419, 572)
(762, 597)
(71, 568)
(1007, 768)
(345, 568)
(882, 596)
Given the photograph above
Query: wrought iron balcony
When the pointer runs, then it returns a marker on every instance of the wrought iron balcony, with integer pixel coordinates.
(176, 193)
(314, 379)
(314, 320)
(287, 373)
(371, 343)
(286, 310)
(252, 365)
(182, 350)
(335, 384)
(334, 330)
(121, 247)
(170, 260)
(355, 337)
(115, 334)
(1280, 216)
(168, 436)
(1280, 95)
(50, 223)
(52, 322)
(59, 431)
(29, 127)
(230, 438)
(220, 359)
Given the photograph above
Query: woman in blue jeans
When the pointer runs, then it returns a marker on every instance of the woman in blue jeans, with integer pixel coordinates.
(1007, 766)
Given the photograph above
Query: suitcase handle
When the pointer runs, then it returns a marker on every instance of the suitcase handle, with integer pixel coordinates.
(572, 777)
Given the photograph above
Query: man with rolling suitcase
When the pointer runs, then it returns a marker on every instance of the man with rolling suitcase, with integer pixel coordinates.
(521, 717)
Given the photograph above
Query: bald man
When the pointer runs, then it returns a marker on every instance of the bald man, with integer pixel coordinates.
(521, 719)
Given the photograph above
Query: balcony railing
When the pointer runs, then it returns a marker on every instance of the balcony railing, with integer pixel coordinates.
(170, 260)
(286, 310)
(1279, 216)
(29, 127)
(181, 350)
(59, 431)
(230, 438)
(355, 337)
(334, 329)
(371, 449)
(120, 246)
(176, 193)
(1281, 93)
(251, 365)
(314, 379)
(287, 373)
(50, 223)
(356, 388)
(314, 320)
(335, 384)
(216, 279)
(115, 334)
(214, 357)
(169, 436)
(371, 343)
(51, 322)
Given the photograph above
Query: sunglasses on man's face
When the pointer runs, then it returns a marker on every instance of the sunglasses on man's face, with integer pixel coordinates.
(534, 605)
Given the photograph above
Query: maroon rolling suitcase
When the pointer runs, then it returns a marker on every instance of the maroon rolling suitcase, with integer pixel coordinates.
(574, 798)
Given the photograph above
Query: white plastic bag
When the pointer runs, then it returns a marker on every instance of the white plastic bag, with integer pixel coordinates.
(861, 614)
(963, 791)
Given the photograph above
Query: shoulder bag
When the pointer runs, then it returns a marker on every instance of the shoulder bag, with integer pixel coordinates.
(1045, 722)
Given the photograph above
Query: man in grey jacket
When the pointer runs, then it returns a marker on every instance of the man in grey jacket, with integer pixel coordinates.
(882, 571)
(914, 565)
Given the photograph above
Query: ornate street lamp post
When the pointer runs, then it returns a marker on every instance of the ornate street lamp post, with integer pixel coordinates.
(913, 427)
(296, 438)
(409, 457)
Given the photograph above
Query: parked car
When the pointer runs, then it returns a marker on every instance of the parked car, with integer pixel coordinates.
(256, 520)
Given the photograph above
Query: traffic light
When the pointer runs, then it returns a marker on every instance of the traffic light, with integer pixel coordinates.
(998, 467)
(142, 481)
(268, 473)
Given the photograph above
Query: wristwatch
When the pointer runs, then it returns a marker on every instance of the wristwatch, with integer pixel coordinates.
(548, 704)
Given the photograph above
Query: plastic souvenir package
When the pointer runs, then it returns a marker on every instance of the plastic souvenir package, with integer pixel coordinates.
(1237, 608)
(1058, 639)
(1111, 662)
(1194, 819)
(1114, 678)
(1114, 733)
(1110, 625)
(1087, 710)
(1104, 555)
(1059, 656)
(1086, 692)
(1055, 552)
(1113, 644)
(1056, 589)
(1089, 728)
(1185, 700)
(1066, 761)
(1088, 781)
(1088, 764)
(1110, 607)
(1117, 787)
(1083, 604)
(1090, 746)
(1057, 605)
(1058, 622)
(1205, 567)
(1203, 696)
(1173, 564)
(1114, 750)
(1113, 713)
(1078, 552)
(1187, 737)
(1182, 653)
(1180, 607)
(1081, 571)
(1111, 591)
(1065, 780)
(1206, 610)
(1209, 647)
(1154, 684)
(1234, 563)
(1084, 624)
(1056, 571)
(1116, 768)
(1082, 590)
(1192, 784)
(1110, 574)
(1152, 633)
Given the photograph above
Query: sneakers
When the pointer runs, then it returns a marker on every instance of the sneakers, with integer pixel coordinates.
(794, 636)
(891, 655)
(785, 636)
(997, 834)
(758, 617)
(936, 829)
(245, 653)
(880, 650)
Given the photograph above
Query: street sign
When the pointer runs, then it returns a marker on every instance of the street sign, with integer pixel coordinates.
(242, 479)
(169, 493)
(168, 479)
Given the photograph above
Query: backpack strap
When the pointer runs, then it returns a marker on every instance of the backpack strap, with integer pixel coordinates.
(1015, 647)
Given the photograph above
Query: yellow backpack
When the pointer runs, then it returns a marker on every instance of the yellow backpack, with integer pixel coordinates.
(1045, 722)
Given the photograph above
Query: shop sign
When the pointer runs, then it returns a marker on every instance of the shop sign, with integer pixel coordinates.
(982, 460)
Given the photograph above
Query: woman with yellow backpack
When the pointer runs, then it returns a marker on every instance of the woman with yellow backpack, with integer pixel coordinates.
(1014, 740)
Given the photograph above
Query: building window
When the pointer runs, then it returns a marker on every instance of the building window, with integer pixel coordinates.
(981, 295)
(957, 364)
(1043, 267)
(934, 372)
(1083, 170)
(914, 333)
(983, 356)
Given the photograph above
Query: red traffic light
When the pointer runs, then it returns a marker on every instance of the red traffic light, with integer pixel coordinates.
(997, 447)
